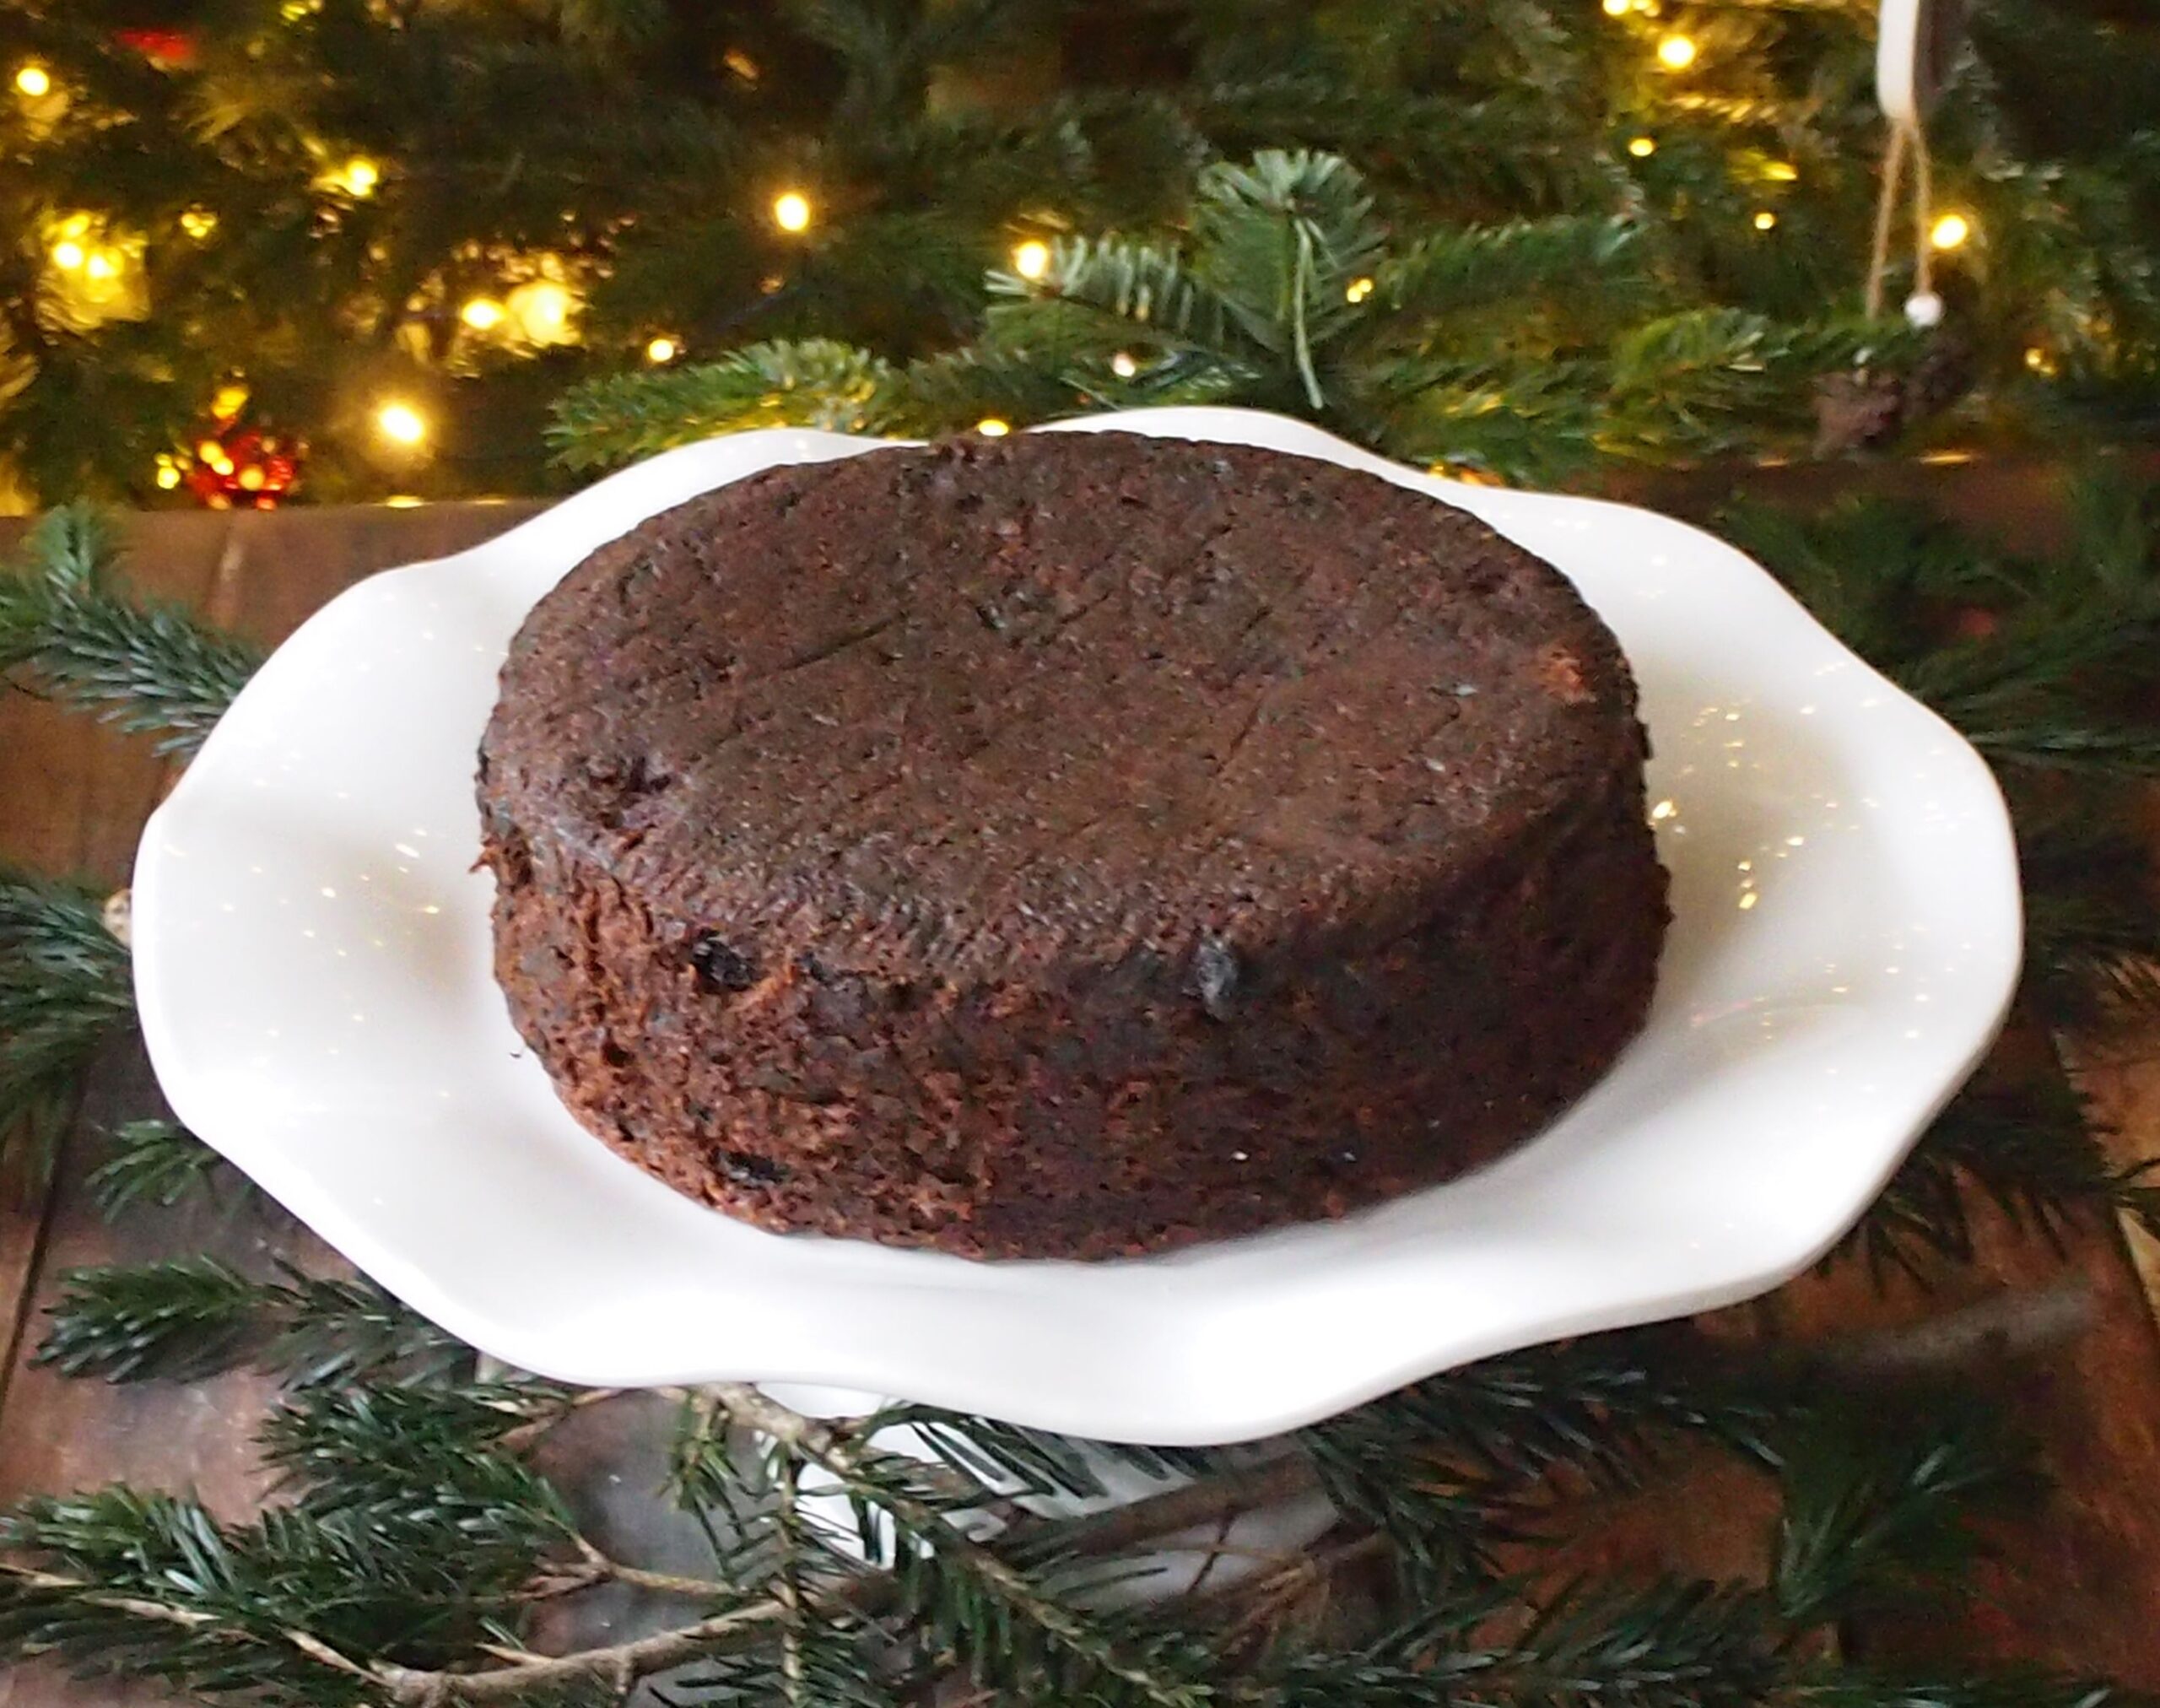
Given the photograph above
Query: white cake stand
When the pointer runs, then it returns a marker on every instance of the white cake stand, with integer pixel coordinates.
(311, 959)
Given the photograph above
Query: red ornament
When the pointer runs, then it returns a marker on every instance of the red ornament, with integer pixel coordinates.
(166, 49)
(235, 468)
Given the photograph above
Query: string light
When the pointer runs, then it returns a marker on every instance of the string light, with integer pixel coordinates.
(199, 223)
(1765, 220)
(791, 211)
(1676, 52)
(34, 80)
(1781, 172)
(662, 349)
(540, 312)
(102, 264)
(991, 428)
(231, 399)
(1951, 231)
(482, 313)
(1618, 9)
(1358, 290)
(741, 64)
(1031, 259)
(1123, 365)
(67, 255)
(1642, 148)
(358, 178)
(400, 423)
(168, 476)
(2038, 360)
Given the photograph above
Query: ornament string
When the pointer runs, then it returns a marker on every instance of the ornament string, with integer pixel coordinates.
(1904, 139)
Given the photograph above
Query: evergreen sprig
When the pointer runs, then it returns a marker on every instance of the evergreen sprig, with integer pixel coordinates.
(140, 665)
(65, 987)
(189, 1317)
(416, 1532)
(157, 1162)
(2033, 1151)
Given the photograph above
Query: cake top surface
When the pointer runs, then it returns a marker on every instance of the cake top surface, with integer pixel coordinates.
(1092, 692)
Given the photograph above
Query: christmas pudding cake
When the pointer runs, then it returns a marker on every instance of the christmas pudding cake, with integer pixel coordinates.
(1070, 846)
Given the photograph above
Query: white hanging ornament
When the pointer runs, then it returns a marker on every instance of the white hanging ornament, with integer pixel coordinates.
(1916, 48)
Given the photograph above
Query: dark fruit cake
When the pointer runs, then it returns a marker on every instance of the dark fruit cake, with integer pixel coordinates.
(1069, 845)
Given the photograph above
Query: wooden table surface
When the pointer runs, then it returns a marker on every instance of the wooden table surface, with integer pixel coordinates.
(2073, 1583)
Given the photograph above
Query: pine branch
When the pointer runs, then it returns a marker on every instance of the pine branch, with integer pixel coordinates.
(2031, 1151)
(971, 1599)
(1667, 1645)
(1873, 1514)
(156, 1162)
(1279, 242)
(189, 1317)
(139, 666)
(2014, 1688)
(1479, 266)
(1131, 291)
(815, 383)
(65, 987)
(1446, 1467)
(424, 1470)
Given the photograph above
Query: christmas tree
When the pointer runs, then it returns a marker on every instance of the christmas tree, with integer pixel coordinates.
(358, 247)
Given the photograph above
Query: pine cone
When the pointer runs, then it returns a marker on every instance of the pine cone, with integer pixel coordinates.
(1857, 411)
(1942, 375)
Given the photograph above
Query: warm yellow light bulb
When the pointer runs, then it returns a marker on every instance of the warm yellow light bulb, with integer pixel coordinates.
(1676, 52)
(220, 465)
(1951, 231)
(1642, 148)
(1031, 259)
(230, 400)
(1780, 171)
(401, 424)
(991, 428)
(662, 350)
(67, 255)
(1618, 9)
(199, 223)
(546, 304)
(102, 264)
(34, 80)
(360, 177)
(1358, 290)
(1765, 220)
(791, 211)
(209, 450)
(482, 313)
(168, 477)
(1123, 365)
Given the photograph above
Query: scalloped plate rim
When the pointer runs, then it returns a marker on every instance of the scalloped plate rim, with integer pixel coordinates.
(1140, 1364)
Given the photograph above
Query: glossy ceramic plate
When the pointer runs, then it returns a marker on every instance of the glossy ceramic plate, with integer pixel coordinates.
(311, 958)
